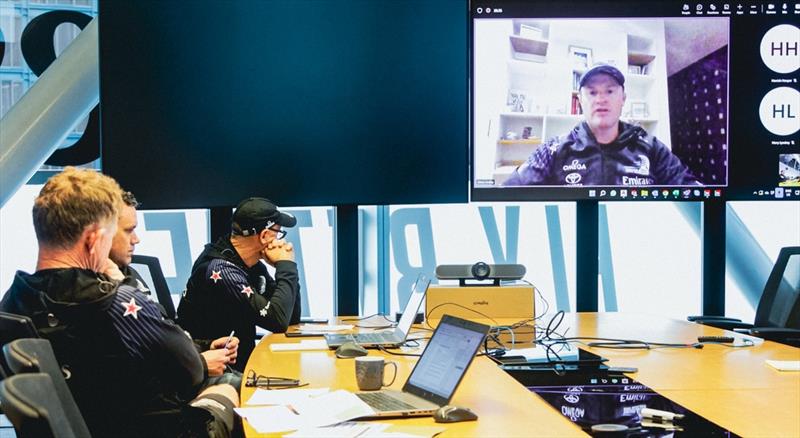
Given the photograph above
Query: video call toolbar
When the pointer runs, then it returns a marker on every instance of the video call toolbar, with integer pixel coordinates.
(699, 9)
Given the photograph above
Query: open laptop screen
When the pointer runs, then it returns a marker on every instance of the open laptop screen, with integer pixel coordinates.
(414, 301)
(445, 359)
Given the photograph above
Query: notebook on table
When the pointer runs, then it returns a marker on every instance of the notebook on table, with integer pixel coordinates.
(437, 374)
(394, 337)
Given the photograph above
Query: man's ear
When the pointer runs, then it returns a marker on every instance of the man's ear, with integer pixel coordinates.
(263, 237)
(91, 237)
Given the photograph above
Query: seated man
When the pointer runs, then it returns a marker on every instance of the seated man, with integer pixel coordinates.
(230, 289)
(217, 353)
(602, 150)
(131, 372)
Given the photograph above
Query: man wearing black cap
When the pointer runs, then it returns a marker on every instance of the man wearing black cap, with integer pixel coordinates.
(230, 290)
(602, 150)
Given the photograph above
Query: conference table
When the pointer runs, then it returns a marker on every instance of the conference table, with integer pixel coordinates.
(732, 387)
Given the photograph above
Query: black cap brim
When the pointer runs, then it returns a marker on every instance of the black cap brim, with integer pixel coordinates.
(286, 220)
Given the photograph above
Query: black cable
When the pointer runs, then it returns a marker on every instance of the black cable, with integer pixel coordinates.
(557, 319)
(375, 327)
(416, 344)
(747, 343)
(363, 318)
(548, 339)
(627, 344)
(427, 316)
(383, 349)
(536, 291)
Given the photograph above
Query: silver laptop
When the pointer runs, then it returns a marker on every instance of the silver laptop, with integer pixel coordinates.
(434, 379)
(394, 337)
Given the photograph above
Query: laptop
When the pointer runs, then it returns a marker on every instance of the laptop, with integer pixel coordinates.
(434, 379)
(392, 338)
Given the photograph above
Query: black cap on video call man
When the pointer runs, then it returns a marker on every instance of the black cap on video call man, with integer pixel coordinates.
(230, 288)
(602, 150)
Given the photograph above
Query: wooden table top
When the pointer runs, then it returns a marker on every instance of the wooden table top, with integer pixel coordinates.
(732, 387)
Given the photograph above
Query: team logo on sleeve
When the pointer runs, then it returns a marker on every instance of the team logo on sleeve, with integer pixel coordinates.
(215, 275)
(247, 290)
(131, 308)
(642, 167)
(263, 312)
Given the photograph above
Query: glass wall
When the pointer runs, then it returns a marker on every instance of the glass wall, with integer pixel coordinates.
(756, 232)
(650, 258)
(649, 251)
(539, 236)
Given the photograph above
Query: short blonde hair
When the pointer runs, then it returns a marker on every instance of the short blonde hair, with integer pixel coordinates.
(72, 200)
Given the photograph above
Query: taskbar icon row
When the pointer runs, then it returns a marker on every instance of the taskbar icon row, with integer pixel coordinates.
(778, 193)
(653, 193)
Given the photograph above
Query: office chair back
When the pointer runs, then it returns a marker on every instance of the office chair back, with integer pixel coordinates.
(159, 282)
(13, 326)
(780, 302)
(25, 356)
(31, 405)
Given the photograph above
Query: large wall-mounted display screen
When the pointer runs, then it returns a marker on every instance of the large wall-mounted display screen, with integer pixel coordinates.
(619, 100)
(309, 102)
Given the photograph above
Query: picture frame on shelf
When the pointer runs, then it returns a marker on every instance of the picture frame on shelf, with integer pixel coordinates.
(517, 100)
(581, 57)
(530, 32)
(527, 132)
(639, 110)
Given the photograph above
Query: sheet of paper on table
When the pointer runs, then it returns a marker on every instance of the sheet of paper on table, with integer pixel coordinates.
(305, 344)
(361, 429)
(784, 365)
(324, 328)
(283, 396)
(324, 410)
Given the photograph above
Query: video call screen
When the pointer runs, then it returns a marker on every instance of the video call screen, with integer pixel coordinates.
(613, 100)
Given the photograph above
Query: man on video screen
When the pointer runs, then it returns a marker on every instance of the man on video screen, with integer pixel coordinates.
(602, 150)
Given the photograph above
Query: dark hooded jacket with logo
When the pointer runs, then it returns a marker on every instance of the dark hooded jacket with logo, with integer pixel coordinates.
(126, 365)
(223, 294)
(635, 158)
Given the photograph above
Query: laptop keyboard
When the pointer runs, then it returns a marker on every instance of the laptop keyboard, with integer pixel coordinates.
(383, 402)
(365, 338)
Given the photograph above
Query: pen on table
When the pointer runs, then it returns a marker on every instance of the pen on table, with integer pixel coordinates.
(230, 336)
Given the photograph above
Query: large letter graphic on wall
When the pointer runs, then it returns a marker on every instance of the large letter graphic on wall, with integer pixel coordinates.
(175, 223)
(606, 267)
(557, 257)
(400, 219)
(2, 47)
(39, 52)
(493, 234)
(303, 220)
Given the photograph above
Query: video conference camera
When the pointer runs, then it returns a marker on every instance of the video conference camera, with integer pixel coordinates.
(480, 271)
